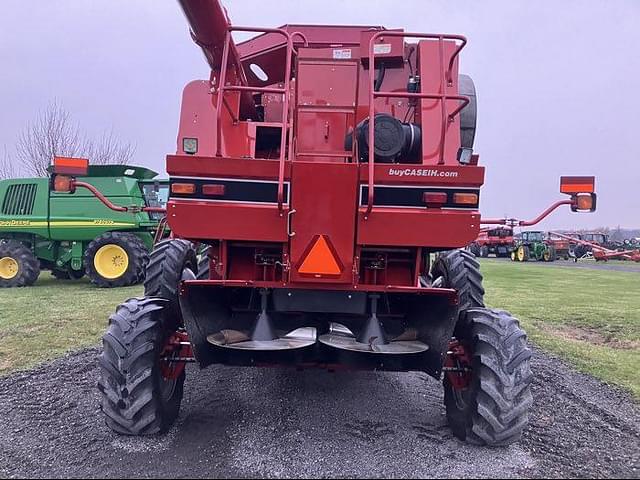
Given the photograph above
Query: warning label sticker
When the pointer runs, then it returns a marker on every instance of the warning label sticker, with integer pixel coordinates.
(381, 48)
(342, 53)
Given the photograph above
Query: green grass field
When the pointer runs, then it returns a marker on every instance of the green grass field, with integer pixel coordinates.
(590, 317)
(52, 318)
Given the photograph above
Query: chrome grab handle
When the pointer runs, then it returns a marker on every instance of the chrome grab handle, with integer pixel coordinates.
(289, 215)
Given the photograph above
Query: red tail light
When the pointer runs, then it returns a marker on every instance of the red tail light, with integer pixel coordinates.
(434, 199)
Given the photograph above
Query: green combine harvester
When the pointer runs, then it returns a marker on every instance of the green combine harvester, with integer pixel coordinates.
(75, 234)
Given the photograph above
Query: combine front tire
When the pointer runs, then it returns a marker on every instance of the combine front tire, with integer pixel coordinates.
(487, 391)
(164, 272)
(116, 259)
(19, 267)
(137, 396)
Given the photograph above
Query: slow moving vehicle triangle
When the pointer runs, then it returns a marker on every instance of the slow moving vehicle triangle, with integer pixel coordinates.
(320, 260)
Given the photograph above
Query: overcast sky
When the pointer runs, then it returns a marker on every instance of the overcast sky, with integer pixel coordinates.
(558, 82)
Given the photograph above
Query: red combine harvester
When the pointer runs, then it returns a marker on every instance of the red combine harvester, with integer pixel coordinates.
(495, 240)
(321, 230)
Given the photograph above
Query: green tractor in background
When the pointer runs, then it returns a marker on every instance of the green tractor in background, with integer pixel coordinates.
(532, 245)
(75, 234)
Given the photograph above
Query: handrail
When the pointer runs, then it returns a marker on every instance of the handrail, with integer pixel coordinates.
(305, 40)
(285, 91)
(442, 97)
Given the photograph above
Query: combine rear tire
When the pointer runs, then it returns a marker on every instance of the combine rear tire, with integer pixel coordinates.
(493, 407)
(19, 267)
(461, 271)
(136, 398)
(116, 259)
(164, 272)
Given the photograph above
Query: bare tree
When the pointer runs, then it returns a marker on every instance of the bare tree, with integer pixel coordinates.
(53, 133)
(7, 167)
(109, 149)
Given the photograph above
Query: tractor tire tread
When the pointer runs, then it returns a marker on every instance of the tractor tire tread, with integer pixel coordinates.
(131, 398)
(168, 260)
(28, 264)
(501, 393)
(462, 272)
(138, 259)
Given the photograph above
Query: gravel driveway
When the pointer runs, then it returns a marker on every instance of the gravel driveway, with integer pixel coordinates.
(272, 423)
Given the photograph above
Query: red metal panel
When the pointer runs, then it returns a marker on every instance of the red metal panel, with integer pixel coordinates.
(226, 221)
(212, 167)
(418, 228)
(431, 77)
(198, 117)
(323, 200)
(323, 132)
(327, 83)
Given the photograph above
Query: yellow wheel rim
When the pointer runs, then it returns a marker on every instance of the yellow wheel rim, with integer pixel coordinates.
(546, 256)
(111, 261)
(521, 254)
(8, 268)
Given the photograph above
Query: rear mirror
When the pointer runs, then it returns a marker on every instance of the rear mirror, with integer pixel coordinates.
(583, 202)
(62, 183)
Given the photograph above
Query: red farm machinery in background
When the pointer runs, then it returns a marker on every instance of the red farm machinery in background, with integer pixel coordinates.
(329, 172)
(493, 240)
(596, 248)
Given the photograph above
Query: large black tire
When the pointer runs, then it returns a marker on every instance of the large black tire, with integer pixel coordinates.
(579, 251)
(494, 409)
(461, 271)
(19, 267)
(137, 258)
(204, 266)
(550, 255)
(164, 272)
(525, 253)
(469, 114)
(136, 399)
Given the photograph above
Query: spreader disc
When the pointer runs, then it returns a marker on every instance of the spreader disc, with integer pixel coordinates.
(299, 338)
(346, 342)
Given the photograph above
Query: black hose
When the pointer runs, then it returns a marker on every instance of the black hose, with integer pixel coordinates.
(412, 50)
(378, 84)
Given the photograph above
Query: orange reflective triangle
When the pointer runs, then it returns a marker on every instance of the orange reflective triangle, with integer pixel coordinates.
(320, 260)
